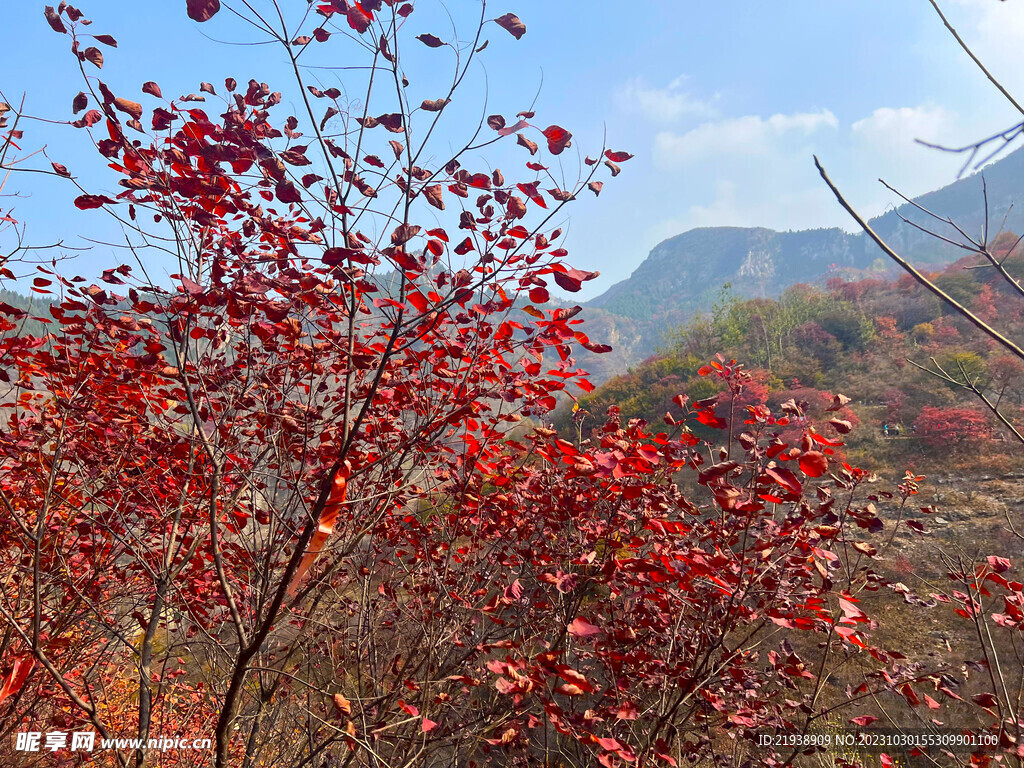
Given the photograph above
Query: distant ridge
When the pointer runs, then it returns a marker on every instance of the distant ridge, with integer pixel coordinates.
(682, 275)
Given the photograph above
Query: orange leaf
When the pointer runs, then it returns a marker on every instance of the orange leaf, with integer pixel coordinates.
(328, 517)
(16, 678)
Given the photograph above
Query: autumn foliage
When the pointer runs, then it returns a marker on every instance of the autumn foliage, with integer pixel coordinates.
(953, 427)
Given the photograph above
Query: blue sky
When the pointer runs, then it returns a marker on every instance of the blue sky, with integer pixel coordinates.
(723, 104)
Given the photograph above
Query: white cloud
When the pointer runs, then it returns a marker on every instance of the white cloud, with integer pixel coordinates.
(664, 105)
(891, 131)
(994, 32)
(883, 144)
(761, 201)
(748, 135)
(724, 208)
(758, 171)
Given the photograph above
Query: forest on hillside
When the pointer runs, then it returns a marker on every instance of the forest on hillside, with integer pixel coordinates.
(915, 368)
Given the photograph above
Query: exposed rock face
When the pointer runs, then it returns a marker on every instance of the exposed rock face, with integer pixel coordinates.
(683, 274)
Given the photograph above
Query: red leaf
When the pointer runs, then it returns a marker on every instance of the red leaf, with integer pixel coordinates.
(511, 23)
(403, 233)
(60, 170)
(610, 744)
(708, 419)
(863, 720)
(851, 613)
(358, 18)
(568, 689)
(295, 157)
(508, 130)
(419, 301)
(785, 478)
(558, 139)
(435, 105)
(287, 193)
(516, 207)
(90, 118)
(841, 426)
(525, 142)
(999, 564)
(427, 725)
(618, 157)
(152, 89)
(580, 627)
(572, 280)
(984, 700)
(433, 196)
(335, 256)
(391, 121)
(106, 40)
(94, 55)
(54, 20)
(847, 633)
(909, 694)
(344, 705)
(539, 295)
(85, 202)
(838, 402)
(129, 107)
(202, 10)
(627, 711)
(16, 678)
(813, 463)
(530, 190)
(430, 40)
(949, 692)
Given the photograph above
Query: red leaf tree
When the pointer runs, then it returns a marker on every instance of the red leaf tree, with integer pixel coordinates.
(953, 427)
(198, 475)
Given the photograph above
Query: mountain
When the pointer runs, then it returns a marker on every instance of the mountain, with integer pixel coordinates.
(682, 275)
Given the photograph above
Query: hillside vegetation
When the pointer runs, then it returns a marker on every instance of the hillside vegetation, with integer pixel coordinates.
(880, 341)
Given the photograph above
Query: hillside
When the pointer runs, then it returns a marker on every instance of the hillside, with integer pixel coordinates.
(854, 337)
(682, 275)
